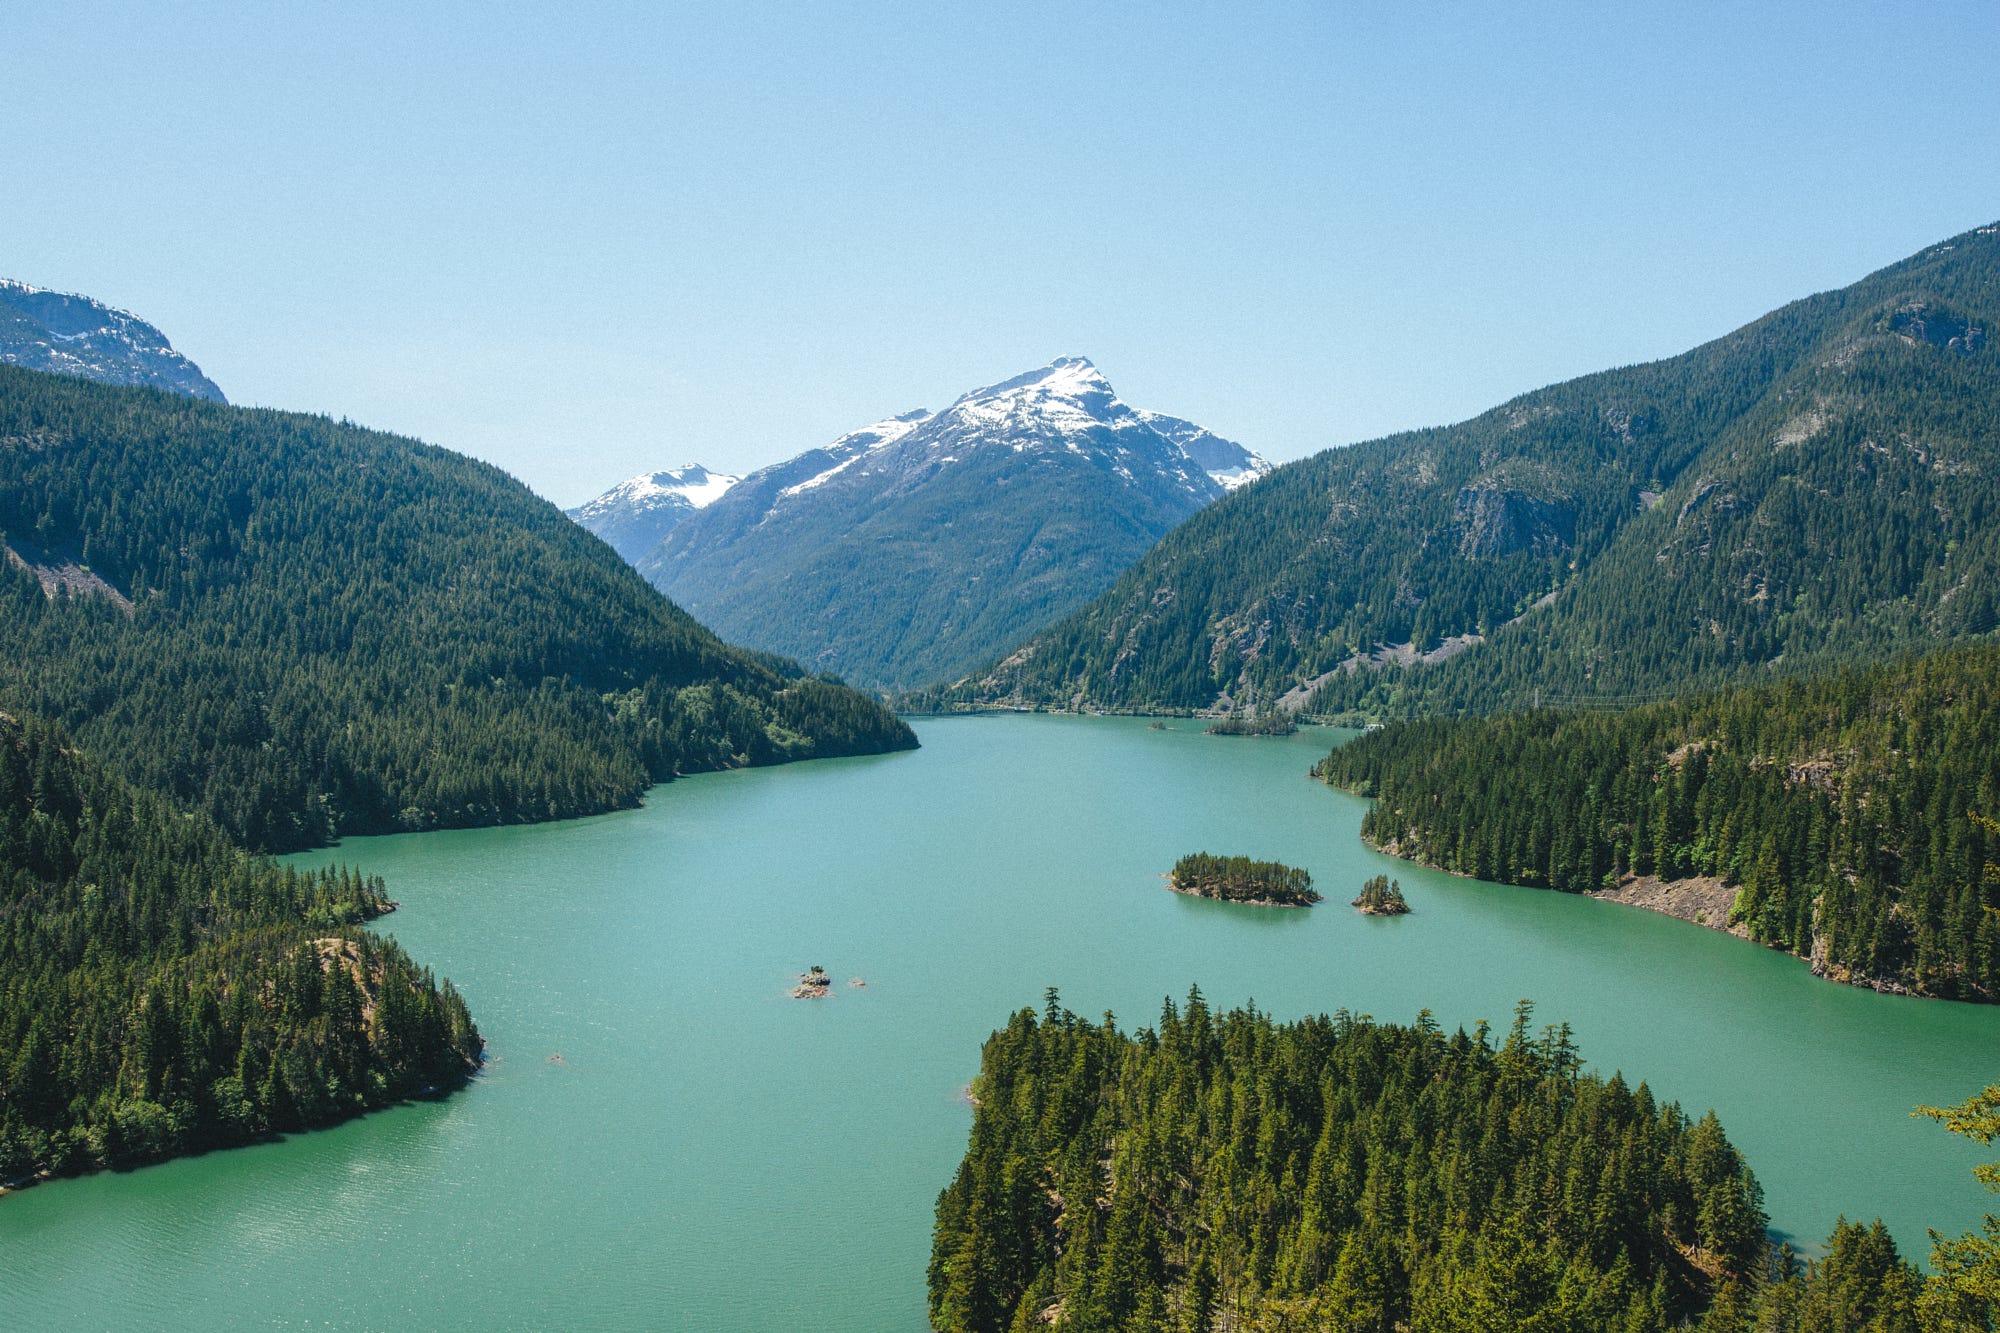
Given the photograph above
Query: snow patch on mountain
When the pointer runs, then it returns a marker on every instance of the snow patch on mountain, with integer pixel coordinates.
(930, 541)
(634, 515)
(64, 334)
(852, 447)
(689, 487)
(1228, 464)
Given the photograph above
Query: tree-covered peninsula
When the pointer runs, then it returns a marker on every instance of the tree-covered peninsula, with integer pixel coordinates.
(306, 629)
(1225, 1171)
(1853, 819)
(1239, 879)
(162, 991)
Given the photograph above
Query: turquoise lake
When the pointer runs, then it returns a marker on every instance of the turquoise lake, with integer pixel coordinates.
(663, 1138)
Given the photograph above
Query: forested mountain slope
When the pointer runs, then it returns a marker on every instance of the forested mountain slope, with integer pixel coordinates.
(162, 991)
(303, 628)
(928, 542)
(1855, 816)
(1823, 483)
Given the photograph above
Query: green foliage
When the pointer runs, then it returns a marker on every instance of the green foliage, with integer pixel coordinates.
(1381, 896)
(1855, 813)
(1860, 1285)
(1820, 485)
(333, 631)
(1238, 879)
(1965, 1294)
(1267, 722)
(163, 992)
(1229, 1171)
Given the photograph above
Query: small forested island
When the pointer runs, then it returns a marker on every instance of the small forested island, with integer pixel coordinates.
(1851, 819)
(814, 984)
(1238, 879)
(1229, 1171)
(1268, 722)
(1381, 896)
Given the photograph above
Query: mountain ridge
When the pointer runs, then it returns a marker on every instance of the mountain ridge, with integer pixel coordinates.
(926, 540)
(66, 334)
(1816, 484)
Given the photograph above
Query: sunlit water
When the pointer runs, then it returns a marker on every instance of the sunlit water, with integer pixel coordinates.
(663, 1138)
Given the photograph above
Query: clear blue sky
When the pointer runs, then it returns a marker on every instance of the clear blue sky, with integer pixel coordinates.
(590, 245)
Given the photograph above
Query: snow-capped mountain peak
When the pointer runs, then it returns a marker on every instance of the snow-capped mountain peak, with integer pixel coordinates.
(1070, 400)
(634, 515)
(1066, 408)
(691, 487)
(1065, 377)
(692, 482)
(928, 541)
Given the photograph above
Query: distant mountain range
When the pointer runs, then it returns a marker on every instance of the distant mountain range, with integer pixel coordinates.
(1820, 485)
(635, 515)
(921, 544)
(74, 335)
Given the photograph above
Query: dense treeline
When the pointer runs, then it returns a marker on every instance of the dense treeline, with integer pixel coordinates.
(1328, 1173)
(1821, 485)
(161, 991)
(1229, 1172)
(1858, 814)
(1239, 879)
(304, 629)
(1269, 722)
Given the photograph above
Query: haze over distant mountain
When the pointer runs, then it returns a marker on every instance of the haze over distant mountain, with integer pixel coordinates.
(921, 544)
(1820, 485)
(74, 335)
(634, 515)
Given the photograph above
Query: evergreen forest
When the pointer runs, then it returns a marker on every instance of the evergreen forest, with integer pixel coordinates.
(1856, 814)
(305, 629)
(1223, 1170)
(163, 991)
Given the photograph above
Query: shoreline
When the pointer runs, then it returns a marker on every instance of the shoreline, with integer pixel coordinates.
(1051, 710)
(1697, 901)
(433, 1093)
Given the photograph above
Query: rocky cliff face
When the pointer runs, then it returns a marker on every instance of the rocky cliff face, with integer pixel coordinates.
(74, 335)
